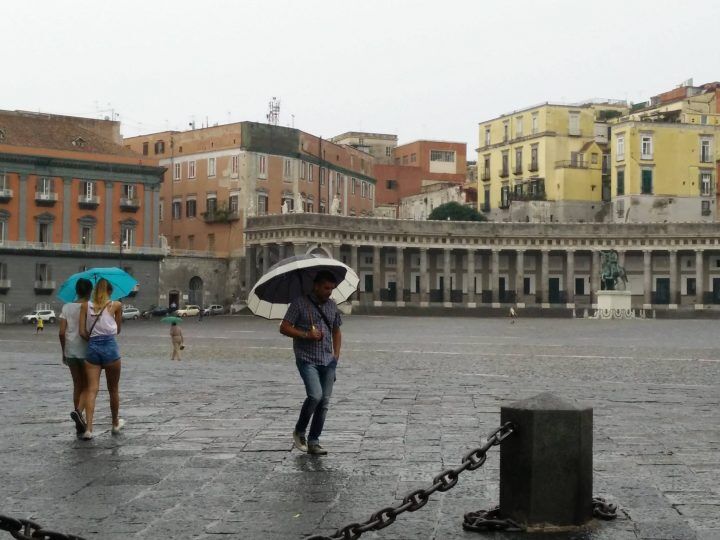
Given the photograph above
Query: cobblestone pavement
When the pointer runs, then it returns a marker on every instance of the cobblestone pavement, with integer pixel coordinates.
(206, 452)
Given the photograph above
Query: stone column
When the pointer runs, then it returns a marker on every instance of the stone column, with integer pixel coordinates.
(495, 277)
(621, 258)
(594, 276)
(400, 280)
(300, 248)
(148, 215)
(265, 258)
(67, 208)
(424, 278)
(520, 276)
(282, 249)
(354, 258)
(570, 278)
(446, 276)
(674, 289)
(376, 273)
(109, 213)
(699, 279)
(22, 206)
(156, 215)
(647, 278)
(471, 278)
(336, 251)
(544, 277)
(250, 268)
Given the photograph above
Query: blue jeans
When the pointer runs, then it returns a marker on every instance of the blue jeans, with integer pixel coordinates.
(318, 388)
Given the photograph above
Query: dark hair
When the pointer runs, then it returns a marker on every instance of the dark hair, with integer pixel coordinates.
(83, 288)
(325, 275)
(174, 323)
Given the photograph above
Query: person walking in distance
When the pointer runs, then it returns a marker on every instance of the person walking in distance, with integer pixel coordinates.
(74, 348)
(313, 322)
(513, 315)
(100, 323)
(177, 341)
(39, 325)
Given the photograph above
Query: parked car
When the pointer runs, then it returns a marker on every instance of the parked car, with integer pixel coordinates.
(47, 315)
(130, 312)
(188, 311)
(214, 309)
(155, 311)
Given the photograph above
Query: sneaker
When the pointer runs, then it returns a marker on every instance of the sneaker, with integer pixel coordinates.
(316, 450)
(300, 441)
(80, 425)
(120, 424)
(87, 436)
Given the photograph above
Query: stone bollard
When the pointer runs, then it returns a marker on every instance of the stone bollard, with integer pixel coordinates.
(546, 465)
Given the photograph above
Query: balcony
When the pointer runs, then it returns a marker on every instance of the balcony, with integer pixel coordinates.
(533, 166)
(485, 175)
(220, 216)
(46, 198)
(518, 169)
(569, 164)
(5, 285)
(129, 204)
(88, 201)
(6, 195)
(504, 173)
(44, 287)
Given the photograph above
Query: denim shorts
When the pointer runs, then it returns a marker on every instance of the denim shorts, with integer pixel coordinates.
(102, 350)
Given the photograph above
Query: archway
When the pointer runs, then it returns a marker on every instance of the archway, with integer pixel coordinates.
(196, 291)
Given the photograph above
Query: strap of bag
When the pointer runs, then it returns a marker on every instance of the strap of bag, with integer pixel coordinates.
(97, 318)
(324, 317)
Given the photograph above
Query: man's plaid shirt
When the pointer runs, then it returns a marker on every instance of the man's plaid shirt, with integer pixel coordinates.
(302, 314)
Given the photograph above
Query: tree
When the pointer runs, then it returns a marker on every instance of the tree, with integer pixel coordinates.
(454, 211)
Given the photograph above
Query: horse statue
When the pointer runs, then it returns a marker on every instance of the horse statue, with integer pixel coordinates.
(612, 274)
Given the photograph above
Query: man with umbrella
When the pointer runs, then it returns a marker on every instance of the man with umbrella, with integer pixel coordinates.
(313, 321)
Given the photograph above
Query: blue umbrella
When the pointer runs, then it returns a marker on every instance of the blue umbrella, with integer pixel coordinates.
(122, 282)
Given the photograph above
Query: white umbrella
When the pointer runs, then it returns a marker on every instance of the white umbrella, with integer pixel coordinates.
(293, 277)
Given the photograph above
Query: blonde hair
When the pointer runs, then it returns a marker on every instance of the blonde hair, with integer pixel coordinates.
(101, 294)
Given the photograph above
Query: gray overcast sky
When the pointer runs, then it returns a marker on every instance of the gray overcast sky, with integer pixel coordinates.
(420, 69)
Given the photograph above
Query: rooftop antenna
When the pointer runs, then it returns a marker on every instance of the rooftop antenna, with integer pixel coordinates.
(273, 115)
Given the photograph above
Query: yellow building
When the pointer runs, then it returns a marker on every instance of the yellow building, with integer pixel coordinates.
(547, 163)
(664, 162)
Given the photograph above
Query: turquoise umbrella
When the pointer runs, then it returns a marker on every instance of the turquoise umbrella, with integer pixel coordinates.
(171, 319)
(122, 282)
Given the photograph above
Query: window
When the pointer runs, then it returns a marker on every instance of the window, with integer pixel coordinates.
(146, 147)
(161, 212)
(534, 157)
(505, 163)
(191, 241)
(310, 173)
(705, 151)
(487, 136)
(442, 155)
(504, 196)
(190, 208)
(235, 164)
(620, 148)
(191, 169)
(211, 242)
(594, 158)
(177, 168)
(405, 160)
(176, 242)
(574, 123)
(647, 185)
(621, 182)
(88, 190)
(287, 169)
(506, 131)
(262, 204)
(303, 170)
(646, 150)
(43, 272)
(390, 184)
(388, 151)
(486, 206)
(518, 160)
(262, 166)
(3, 182)
(3, 271)
(486, 168)
(129, 191)
(705, 208)
(3, 230)
(705, 184)
(413, 158)
(519, 126)
(353, 185)
(691, 286)
(177, 209)
(44, 185)
(211, 203)
(211, 166)
(363, 189)
(322, 176)
(534, 123)
(234, 204)
(338, 183)
(127, 236)
(160, 147)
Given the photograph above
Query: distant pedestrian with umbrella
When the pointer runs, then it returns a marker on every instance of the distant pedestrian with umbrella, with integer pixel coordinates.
(303, 291)
(74, 348)
(176, 337)
(100, 323)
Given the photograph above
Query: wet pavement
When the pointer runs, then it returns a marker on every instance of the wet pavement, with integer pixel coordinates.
(206, 452)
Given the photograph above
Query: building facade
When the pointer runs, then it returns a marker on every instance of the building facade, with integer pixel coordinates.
(218, 176)
(71, 196)
(673, 267)
(418, 164)
(379, 145)
(433, 195)
(547, 163)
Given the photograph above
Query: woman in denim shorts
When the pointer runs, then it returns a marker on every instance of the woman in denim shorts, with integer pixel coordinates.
(100, 323)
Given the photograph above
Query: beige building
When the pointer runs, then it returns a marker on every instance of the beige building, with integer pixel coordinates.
(379, 145)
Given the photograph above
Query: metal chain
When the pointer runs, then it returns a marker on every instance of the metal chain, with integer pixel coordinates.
(417, 499)
(603, 509)
(24, 529)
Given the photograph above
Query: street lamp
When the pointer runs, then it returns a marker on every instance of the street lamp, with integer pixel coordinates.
(123, 244)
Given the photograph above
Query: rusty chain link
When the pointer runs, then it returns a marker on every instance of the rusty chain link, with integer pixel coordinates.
(603, 509)
(417, 499)
(24, 529)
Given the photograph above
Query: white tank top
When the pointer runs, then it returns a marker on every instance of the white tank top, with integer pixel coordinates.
(106, 325)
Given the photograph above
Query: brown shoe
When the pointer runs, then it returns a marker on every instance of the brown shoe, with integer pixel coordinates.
(316, 450)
